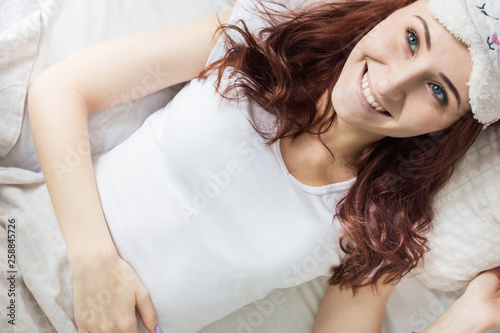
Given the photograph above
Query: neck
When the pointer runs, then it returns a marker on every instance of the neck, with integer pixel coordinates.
(308, 161)
(347, 142)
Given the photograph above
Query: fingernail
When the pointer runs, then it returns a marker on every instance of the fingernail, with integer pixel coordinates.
(158, 329)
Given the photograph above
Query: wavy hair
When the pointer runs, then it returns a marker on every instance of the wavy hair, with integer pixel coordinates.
(286, 68)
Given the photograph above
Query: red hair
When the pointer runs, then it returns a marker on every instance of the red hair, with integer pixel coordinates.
(286, 69)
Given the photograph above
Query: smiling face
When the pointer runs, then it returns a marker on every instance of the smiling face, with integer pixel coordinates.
(405, 78)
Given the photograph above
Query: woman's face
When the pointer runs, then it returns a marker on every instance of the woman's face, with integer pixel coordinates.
(405, 78)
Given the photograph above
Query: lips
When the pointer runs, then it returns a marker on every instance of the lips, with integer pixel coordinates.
(368, 99)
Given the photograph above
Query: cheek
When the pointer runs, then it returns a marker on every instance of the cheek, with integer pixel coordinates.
(344, 92)
(346, 106)
(424, 122)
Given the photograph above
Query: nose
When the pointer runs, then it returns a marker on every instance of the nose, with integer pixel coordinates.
(398, 80)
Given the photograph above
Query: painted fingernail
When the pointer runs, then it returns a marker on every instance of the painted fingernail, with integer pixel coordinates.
(158, 329)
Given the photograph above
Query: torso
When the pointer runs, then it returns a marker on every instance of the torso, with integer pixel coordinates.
(199, 186)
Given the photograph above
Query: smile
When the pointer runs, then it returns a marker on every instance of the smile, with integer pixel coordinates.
(367, 97)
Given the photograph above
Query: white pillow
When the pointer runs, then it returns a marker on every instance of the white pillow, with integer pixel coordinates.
(36, 35)
(466, 236)
(18, 45)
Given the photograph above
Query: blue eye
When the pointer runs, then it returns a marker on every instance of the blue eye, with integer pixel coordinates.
(439, 93)
(413, 39)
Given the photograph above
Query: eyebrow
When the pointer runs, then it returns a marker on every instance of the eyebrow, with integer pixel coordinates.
(427, 33)
(452, 87)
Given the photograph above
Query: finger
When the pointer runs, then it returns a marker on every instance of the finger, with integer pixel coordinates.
(146, 309)
(128, 325)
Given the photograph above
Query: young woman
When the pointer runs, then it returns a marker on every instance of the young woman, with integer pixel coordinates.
(218, 199)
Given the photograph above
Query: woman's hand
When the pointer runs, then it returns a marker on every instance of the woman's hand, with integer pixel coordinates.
(483, 298)
(106, 292)
(477, 310)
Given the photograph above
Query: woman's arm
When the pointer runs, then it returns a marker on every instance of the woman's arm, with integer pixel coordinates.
(476, 311)
(340, 311)
(132, 66)
(60, 100)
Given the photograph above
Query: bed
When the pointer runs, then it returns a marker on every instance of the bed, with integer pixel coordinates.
(36, 34)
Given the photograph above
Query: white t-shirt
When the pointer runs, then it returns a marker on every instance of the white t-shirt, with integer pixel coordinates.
(207, 214)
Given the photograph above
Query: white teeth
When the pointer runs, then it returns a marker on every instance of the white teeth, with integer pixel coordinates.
(368, 94)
